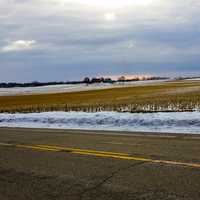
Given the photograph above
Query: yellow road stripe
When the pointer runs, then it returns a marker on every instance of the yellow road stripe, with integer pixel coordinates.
(5, 144)
(120, 156)
(84, 150)
(102, 154)
(140, 159)
(36, 148)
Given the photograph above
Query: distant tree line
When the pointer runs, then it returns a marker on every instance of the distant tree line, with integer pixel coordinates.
(35, 84)
(187, 77)
(86, 80)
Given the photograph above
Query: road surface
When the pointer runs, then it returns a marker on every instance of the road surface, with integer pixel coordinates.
(68, 164)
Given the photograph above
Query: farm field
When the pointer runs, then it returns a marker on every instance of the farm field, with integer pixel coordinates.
(61, 88)
(163, 97)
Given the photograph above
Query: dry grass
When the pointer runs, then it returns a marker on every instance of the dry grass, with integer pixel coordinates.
(152, 98)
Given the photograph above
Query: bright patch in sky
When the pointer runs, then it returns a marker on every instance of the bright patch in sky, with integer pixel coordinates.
(19, 45)
(110, 16)
(114, 3)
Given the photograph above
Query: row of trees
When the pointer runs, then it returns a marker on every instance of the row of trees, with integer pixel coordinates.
(35, 84)
(86, 80)
(38, 84)
(120, 79)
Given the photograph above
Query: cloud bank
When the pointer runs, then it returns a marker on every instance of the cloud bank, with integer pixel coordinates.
(63, 39)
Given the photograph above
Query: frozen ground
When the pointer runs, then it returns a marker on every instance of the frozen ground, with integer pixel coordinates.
(70, 88)
(193, 79)
(148, 122)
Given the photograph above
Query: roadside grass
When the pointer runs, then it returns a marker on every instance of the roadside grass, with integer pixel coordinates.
(153, 98)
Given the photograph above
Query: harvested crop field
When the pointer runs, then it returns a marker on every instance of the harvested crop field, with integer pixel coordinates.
(168, 96)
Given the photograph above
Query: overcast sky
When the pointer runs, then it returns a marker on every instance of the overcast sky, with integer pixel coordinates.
(47, 40)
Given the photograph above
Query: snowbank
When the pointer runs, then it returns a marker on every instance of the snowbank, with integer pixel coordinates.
(186, 122)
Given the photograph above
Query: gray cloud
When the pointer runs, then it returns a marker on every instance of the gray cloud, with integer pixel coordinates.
(72, 40)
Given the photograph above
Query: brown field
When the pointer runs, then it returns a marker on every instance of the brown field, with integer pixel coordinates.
(169, 96)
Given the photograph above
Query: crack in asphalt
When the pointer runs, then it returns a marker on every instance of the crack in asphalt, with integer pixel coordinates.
(6, 175)
(101, 183)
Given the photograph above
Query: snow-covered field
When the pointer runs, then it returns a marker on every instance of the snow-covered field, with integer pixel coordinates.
(193, 79)
(70, 88)
(188, 122)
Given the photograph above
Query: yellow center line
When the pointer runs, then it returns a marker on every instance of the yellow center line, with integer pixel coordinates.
(37, 148)
(104, 154)
(122, 156)
(83, 150)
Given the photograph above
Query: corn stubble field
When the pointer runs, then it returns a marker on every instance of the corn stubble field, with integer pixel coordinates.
(165, 97)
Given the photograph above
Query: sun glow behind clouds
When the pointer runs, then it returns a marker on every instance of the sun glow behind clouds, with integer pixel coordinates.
(113, 3)
(110, 16)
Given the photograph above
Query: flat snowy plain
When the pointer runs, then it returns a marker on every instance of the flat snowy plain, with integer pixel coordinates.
(185, 122)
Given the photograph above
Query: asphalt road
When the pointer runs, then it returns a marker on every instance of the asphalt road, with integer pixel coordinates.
(87, 165)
